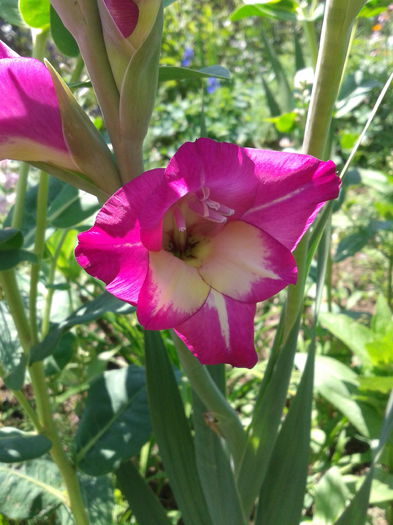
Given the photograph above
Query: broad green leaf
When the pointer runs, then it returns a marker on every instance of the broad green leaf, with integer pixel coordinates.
(98, 495)
(383, 384)
(88, 312)
(12, 358)
(10, 239)
(68, 208)
(66, 262)
(214, 469)
(338, 384)
(181, 73)
(382, 487)
(266, 419)
(284, 10)
(352, 244)
(35, 12)
(286, 477)
(29, 488)
(382, 320)
(10, 12)
(11, 258)
(173, 434)
(62, 355)
(115, 423)
(168, 2)
(283, 123)
(17, 446)
(331, 495)
(381, 349)
(375, 179)
(140, 497)
(353, 334)
(61, 36)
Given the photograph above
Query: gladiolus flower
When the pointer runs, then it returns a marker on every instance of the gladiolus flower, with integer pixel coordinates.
(196, 245)
(126, 24)
(40, 121)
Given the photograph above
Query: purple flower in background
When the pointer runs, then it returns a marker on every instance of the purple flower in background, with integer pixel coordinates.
(188, 55)
(212, 84)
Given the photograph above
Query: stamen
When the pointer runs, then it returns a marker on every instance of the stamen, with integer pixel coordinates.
(179, 219)
(209, 208)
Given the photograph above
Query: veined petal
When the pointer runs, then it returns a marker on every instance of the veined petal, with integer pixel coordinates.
(224, 169)
(172, 292)
(292, 188)
(222, 331)
(121, 265)
(30, 122)
(245, 263)
(112, 249)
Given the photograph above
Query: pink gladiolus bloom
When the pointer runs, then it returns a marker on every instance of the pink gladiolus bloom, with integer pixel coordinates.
(196, 245)
(30, 121)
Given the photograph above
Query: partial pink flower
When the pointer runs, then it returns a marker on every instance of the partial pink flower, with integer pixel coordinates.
(30, 121)
(126, 24)
(196, 245)
(40, 121)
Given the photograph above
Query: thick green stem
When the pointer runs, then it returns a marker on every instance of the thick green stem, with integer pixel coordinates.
(16, 306)
(51, 280)
(207, 390)
(21, 187)
(336, 32)
(42, 202)
(67, 470)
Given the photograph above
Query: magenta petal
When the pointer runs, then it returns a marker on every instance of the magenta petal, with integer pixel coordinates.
(125, 14)
(291, 190)
(172, 292)
(224, 168)
(7, 52)
(112, 250)
(222, 331)
(30, 122)
(122, 266)
(246, 264)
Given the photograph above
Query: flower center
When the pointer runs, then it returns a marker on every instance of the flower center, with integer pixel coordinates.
(187, 230)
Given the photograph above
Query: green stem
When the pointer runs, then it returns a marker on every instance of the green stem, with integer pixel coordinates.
(42, 202)
(51, 279)
(21, 187)
(77, 72)
(24, 403)
(67, 470)
(208, 392)
(40, 38)
(336, 32)
(335, 37)
(14, 300)
(312, 42)
(390, 281)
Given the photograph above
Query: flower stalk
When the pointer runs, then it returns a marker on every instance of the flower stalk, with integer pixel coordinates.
(335, 38)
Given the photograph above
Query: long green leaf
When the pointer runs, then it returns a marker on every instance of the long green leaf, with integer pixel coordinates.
(266, 421)
(356, 511)
(140, 497)
(286, 477)
(214, 469)
(173, 433)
